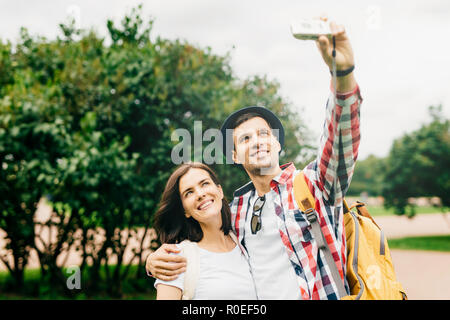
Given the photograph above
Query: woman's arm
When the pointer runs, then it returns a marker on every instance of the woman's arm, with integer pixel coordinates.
(166, 292)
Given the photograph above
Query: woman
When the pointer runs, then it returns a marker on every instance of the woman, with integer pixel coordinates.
(194, 214)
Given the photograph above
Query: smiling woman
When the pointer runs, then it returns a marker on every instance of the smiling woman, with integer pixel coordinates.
(182, 191)
(194, 215)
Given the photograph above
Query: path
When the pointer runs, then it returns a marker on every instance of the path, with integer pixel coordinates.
(422, 224)
(425, 275)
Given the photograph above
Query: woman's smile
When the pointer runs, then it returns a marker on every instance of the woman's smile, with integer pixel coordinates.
(205, 204)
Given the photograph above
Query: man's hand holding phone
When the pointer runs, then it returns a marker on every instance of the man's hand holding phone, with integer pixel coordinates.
(323, 32)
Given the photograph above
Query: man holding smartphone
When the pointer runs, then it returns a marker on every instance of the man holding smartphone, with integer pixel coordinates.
(272, 232)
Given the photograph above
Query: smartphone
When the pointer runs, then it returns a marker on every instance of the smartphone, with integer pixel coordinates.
(310, 29)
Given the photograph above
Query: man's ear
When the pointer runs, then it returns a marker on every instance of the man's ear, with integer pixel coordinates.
(235, 159)
(278, 145)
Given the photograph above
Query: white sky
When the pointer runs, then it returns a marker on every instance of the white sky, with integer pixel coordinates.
(401, 49)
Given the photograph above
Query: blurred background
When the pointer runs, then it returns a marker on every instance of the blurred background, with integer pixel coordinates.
(91, 92)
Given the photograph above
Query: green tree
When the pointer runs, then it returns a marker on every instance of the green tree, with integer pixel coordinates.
(31, 139)
(89, 126)
(419, 165)
(367, 177)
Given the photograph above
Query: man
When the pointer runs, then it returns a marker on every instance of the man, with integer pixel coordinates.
(273, 233)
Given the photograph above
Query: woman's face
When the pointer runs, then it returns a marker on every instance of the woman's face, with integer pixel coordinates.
(201, 197)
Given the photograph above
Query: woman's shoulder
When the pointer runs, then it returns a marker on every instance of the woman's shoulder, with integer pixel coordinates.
(189, 249)
(186, 243)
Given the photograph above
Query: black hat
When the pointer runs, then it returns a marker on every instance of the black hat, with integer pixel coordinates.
(265, 113)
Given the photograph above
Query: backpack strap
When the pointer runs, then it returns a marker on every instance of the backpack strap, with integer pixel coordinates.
(362, 210)
(306, 203)
(190, 252)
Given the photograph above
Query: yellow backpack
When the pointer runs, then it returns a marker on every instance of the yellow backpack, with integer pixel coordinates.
(370, 272)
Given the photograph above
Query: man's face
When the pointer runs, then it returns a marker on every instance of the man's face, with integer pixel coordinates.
(255, 146)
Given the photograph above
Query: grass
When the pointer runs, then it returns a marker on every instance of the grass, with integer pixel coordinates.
(381, 211)
(30, 275)
(432, 243)
(142, 296)
(36, 288)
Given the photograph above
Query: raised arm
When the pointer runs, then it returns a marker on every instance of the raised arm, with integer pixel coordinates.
(340, 139)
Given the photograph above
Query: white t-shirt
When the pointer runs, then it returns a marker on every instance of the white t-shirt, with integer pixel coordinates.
(273, 273)
(222, 276)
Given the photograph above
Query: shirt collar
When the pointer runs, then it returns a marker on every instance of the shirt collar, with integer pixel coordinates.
(283, 177)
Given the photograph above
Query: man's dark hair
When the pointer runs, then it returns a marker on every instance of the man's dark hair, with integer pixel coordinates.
(170, 223)
(247, 116)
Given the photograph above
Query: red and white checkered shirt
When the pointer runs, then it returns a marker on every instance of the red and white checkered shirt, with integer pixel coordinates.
(328, 178)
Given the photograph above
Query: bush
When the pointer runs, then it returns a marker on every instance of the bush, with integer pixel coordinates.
(88, 126)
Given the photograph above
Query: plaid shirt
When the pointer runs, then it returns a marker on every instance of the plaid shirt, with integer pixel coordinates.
(328, 178)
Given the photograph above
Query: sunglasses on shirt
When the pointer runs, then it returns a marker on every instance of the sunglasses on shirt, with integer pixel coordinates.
(255, 222)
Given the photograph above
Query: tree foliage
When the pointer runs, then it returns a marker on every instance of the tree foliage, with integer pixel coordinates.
(88, 125)
(419, 165)
(367, 177)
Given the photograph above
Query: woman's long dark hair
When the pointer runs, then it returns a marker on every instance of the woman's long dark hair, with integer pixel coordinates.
(170, 223)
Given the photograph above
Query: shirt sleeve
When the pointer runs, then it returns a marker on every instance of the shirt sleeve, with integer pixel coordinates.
(178, 282)
(338, 149)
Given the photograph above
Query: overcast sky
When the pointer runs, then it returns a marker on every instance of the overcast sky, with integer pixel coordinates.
(401, 49)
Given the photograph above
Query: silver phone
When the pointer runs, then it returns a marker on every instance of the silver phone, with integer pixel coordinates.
(310, 29)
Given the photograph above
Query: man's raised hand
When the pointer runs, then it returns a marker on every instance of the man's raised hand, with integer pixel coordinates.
(344, 51)
(344, 55)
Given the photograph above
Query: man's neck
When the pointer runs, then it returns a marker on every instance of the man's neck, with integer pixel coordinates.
(262, 181)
